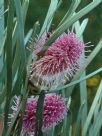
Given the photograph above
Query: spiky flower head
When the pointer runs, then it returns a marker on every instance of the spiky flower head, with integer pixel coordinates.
(60, 62)
(54, 112)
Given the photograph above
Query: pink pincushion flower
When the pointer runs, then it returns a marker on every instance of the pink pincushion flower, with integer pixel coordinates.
(54, 111)
(60, 62)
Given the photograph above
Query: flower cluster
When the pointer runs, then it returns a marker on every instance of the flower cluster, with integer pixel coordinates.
(60, 62)
(54, 112)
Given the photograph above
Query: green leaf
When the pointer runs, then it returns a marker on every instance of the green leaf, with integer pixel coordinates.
(49, 16)
(24, 9)
(2, 95)
(70, 131)
(1, 22)
(91, 132)
(92, 109)
(1, 31)
(28, 36)
(39, 114)
(16, 61)
(20, 49)
(96, 112)
(79, 116)
(8, 51)
(83, 97)
(67, 122)
(98, 123)
(71, 10)
(75, 82)
(20, 28)
(80, 29)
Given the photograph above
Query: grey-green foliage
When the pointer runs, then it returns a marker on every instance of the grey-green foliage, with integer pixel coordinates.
(1, 33)
(15, 61)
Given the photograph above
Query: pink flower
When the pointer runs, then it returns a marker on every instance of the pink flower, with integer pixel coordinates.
(54, 112)
(60, 62)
